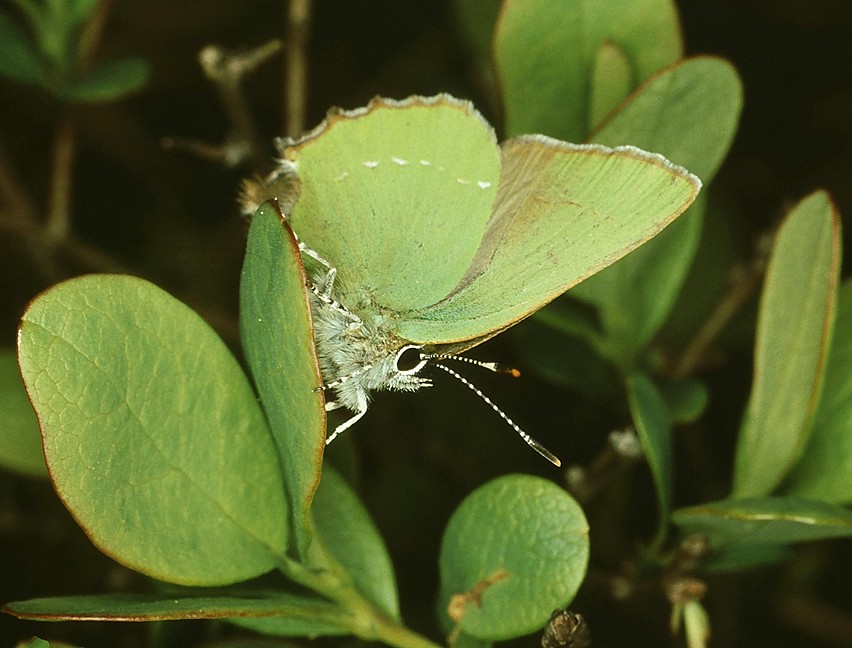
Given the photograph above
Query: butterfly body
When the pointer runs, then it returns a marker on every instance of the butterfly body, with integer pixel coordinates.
(357, 350)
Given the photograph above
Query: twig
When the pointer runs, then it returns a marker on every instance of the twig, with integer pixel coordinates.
(227, 70)
(89, 256)
(745, 281)
(296, 67)
(58, 223)
(92, 30)
(16, 204)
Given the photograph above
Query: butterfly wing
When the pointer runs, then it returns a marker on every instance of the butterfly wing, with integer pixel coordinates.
(563, 212)
(396, 196)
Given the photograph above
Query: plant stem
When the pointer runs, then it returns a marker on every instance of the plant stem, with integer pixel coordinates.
(296, 66)
(329, 579)
(15, 202)
(746, 282)
(227, 70)
(58, 223)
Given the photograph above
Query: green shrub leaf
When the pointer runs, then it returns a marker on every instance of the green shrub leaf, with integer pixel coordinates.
(352, 539)
(108, 81)
(19, 56)
(275, 326)
(668, 114)
(547, 54)
(152, 434)
(513, 551)
(20, 441)
(764, 521)
(653, 425)
(825, 470)
(793, 333)
(612, 82)
(179, 605)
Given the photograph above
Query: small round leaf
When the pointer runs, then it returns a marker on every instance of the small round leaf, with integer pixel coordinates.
(514, 550)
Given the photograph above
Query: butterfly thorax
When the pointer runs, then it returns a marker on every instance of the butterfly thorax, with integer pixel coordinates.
(357, 350)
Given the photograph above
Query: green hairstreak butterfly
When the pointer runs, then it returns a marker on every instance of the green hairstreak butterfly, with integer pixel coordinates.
(423, 237)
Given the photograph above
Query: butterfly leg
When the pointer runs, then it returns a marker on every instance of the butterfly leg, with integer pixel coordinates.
(362, 409)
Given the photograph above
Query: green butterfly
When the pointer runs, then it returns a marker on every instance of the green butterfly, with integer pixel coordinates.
(423, 237)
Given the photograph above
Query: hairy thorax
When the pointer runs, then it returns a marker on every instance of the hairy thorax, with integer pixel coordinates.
(358, 351)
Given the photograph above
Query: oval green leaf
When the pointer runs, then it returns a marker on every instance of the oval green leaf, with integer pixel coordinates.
(352, 539)
(671, 114)
(825, 470)
(793, 333)
(514, 550)
(764, 521)
(108, 81)
(275, 327)
(686, 399)
(20, 441)
(612, 82)
(653, 424)
(546, 53)
(152, 434)
(19, 56)
(180, 605)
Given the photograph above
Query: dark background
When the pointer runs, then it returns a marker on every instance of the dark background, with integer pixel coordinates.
(171, 217)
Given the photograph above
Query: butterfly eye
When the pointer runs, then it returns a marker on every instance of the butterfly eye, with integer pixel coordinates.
(409, 359)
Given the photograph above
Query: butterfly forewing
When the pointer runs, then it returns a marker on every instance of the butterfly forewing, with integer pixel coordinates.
(563, 212)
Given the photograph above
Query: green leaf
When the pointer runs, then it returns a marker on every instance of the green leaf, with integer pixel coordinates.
(79, 10)
(475, 23)
(19, 56)
(513, 551)
(686, 399)
(612, 81)
(653, 425)
(316, 623)
(672, 113)
(462, 640)
(35, 642)
(793, 333)
(824, 471)
(669, 114)
(764, 521)
(546, 54)
(275, 326)
(152, 434)
(108, 81)
(20, 441)
(352, 539)
(161, 607)
(737, 559)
